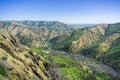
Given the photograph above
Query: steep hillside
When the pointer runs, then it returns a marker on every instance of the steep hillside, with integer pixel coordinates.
(112, 57)
(104, 45)
(82, 38)
(106, 51)
(112, 28)
(19, 63)
(63, 42)
(99, 42)
(32, 36)
(100, 36)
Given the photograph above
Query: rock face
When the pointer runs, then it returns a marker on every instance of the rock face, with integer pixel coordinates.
(17, 62)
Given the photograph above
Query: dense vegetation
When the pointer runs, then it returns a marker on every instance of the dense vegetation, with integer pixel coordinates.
(112, 58)
(2, 70)
(112, 28)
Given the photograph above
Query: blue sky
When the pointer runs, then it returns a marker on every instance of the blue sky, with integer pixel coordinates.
(68, 11)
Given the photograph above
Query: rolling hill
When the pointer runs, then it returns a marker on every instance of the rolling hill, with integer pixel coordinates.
(35, 33)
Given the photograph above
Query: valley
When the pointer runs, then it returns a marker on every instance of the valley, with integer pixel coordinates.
(52, 50)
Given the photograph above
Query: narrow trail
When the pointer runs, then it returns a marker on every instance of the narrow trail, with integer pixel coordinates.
(94, 65)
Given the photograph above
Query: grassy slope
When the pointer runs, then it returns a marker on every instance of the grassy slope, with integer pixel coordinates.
(64, 43)
(17, 62)
(109, 52)
(72, 69)
(107, 48)
(112, 28)
(112, 58)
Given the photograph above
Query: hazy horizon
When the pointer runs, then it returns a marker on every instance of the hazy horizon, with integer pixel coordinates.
(64, 22)
(67, 11)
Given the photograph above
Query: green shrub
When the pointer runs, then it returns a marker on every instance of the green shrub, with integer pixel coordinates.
(26, 55)
(2, 70)
(4, 58)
